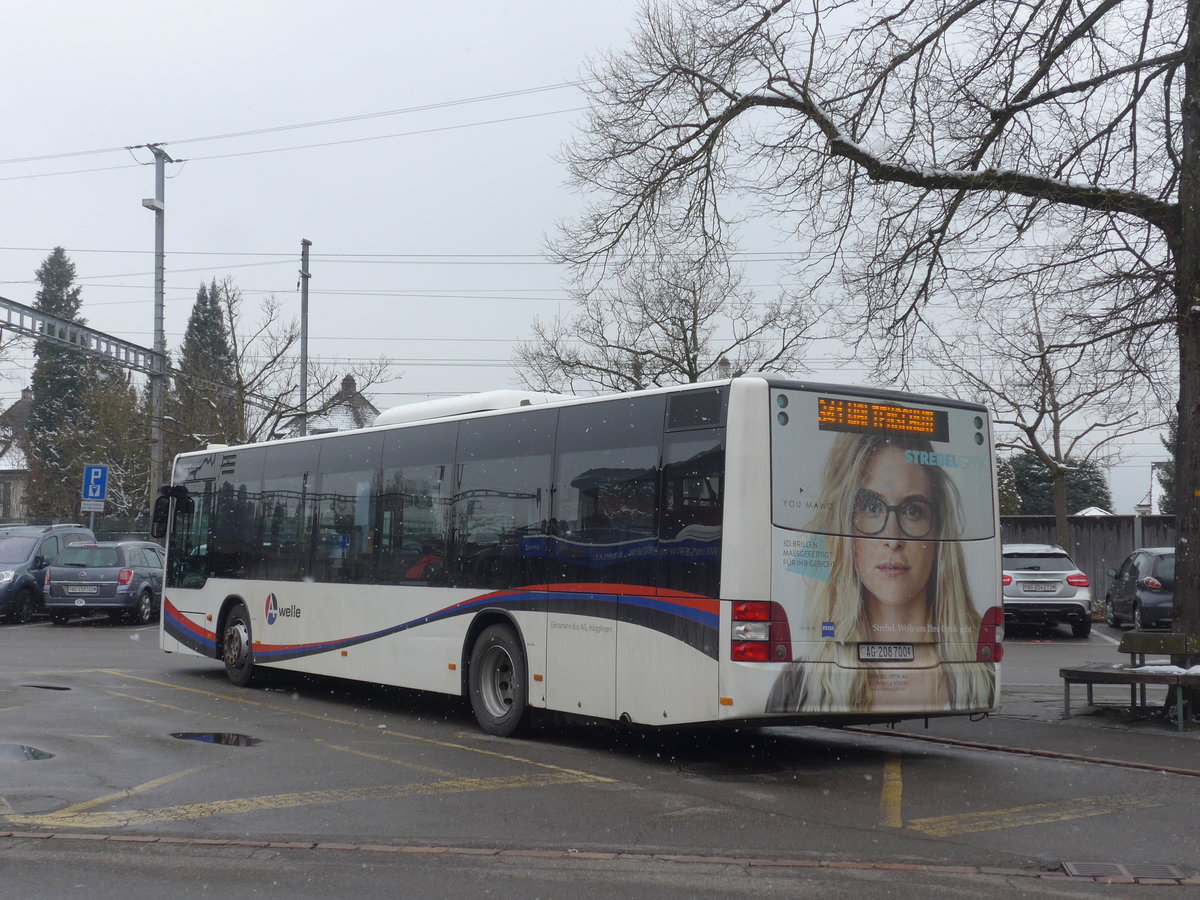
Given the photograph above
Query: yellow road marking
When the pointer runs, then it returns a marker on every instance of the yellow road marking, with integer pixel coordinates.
(890, 805)
(162, 705)
(374, 729)
(1037, 814)
(73, 818)
(82, 815)
(388, 759)
(121, 795)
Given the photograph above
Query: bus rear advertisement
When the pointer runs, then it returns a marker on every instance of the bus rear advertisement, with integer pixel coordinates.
(753, 550)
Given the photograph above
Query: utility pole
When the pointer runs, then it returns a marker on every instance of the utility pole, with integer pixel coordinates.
(160, 344)
(305, 243)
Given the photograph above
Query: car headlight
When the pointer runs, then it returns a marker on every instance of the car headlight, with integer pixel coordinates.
(6, 576)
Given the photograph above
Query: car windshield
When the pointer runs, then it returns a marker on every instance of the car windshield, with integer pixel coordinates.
(1038, 562)
(97, 557)
(15, 549)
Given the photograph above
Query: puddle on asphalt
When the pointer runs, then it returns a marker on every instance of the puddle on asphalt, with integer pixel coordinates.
(229, 739)
(20, 753)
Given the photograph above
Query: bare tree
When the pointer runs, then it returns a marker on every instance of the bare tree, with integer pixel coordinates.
(263, 376)
(665, 322)
(915, 143)
(1066, 405)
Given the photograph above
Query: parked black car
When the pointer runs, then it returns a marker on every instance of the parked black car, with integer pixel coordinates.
(25, 551)
(1143, 589)
(121, 578)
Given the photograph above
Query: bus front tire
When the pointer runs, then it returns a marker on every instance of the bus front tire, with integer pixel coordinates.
(236, 646)
(499, 682)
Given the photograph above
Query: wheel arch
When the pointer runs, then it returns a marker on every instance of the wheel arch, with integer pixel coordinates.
(226, 606)
(485, 618)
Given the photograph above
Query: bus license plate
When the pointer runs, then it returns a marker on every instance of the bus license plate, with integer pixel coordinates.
(890, 652)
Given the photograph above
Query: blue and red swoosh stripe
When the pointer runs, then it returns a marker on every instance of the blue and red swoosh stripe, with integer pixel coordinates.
(690, 618)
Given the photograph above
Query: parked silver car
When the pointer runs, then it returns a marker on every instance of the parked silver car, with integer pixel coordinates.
(1042, 586)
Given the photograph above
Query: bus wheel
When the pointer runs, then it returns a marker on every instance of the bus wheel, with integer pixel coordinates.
(236, 646)
(499, 683)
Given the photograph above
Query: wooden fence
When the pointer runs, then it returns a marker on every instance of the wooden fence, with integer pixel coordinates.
(1097, 543)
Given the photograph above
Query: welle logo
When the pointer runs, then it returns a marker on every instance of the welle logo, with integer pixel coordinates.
(275, 611)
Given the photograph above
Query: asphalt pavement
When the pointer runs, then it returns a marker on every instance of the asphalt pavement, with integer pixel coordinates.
(1031, 718)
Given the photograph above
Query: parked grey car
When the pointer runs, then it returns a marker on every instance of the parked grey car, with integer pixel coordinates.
(1143, 589)
(120, 578)
(25, 551)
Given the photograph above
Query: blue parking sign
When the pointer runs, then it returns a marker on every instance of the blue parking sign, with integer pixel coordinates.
(95, 482)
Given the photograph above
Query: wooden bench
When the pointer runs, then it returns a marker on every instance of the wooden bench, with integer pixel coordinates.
(1137, 645)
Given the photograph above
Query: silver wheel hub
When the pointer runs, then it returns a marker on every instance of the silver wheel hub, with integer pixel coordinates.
(496, 688)
(237, 643)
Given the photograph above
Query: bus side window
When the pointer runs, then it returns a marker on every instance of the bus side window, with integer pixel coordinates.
(415, 496)
(605, 492)
(692, 508)
(187, 556)
(233, 546)
(346, 508)
(289, 504)
(502, 500)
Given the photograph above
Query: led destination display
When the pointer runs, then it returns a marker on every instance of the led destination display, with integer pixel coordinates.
(861, 417)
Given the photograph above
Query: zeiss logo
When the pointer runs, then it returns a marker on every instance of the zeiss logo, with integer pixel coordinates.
(274, 610)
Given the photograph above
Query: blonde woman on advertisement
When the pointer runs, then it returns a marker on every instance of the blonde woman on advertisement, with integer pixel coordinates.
(896, 575)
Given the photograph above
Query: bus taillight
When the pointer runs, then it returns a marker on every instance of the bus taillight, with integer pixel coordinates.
(750, 651)
(760, 632)
(751, 611)
(988, 648)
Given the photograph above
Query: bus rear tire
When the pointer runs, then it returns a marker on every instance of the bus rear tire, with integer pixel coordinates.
(237, 646)
(499, 682)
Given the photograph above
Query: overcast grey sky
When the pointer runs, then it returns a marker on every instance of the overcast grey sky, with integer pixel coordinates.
(427, 221)
(424, 174)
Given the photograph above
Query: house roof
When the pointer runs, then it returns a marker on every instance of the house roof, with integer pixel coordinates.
(14, 426)
(348, 409)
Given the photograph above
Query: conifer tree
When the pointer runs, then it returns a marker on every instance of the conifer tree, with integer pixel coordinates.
(1166, 470)
(203, 400)
(60, 378)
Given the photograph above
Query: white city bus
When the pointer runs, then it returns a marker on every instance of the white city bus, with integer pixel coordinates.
(747, 550)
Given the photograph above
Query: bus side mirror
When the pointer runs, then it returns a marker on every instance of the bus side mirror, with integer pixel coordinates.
(161, 517)
(162, 512)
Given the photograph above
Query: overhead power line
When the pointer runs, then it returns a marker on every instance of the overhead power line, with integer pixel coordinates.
(319, 123)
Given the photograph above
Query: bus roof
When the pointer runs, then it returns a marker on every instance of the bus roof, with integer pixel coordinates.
(465, 404)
